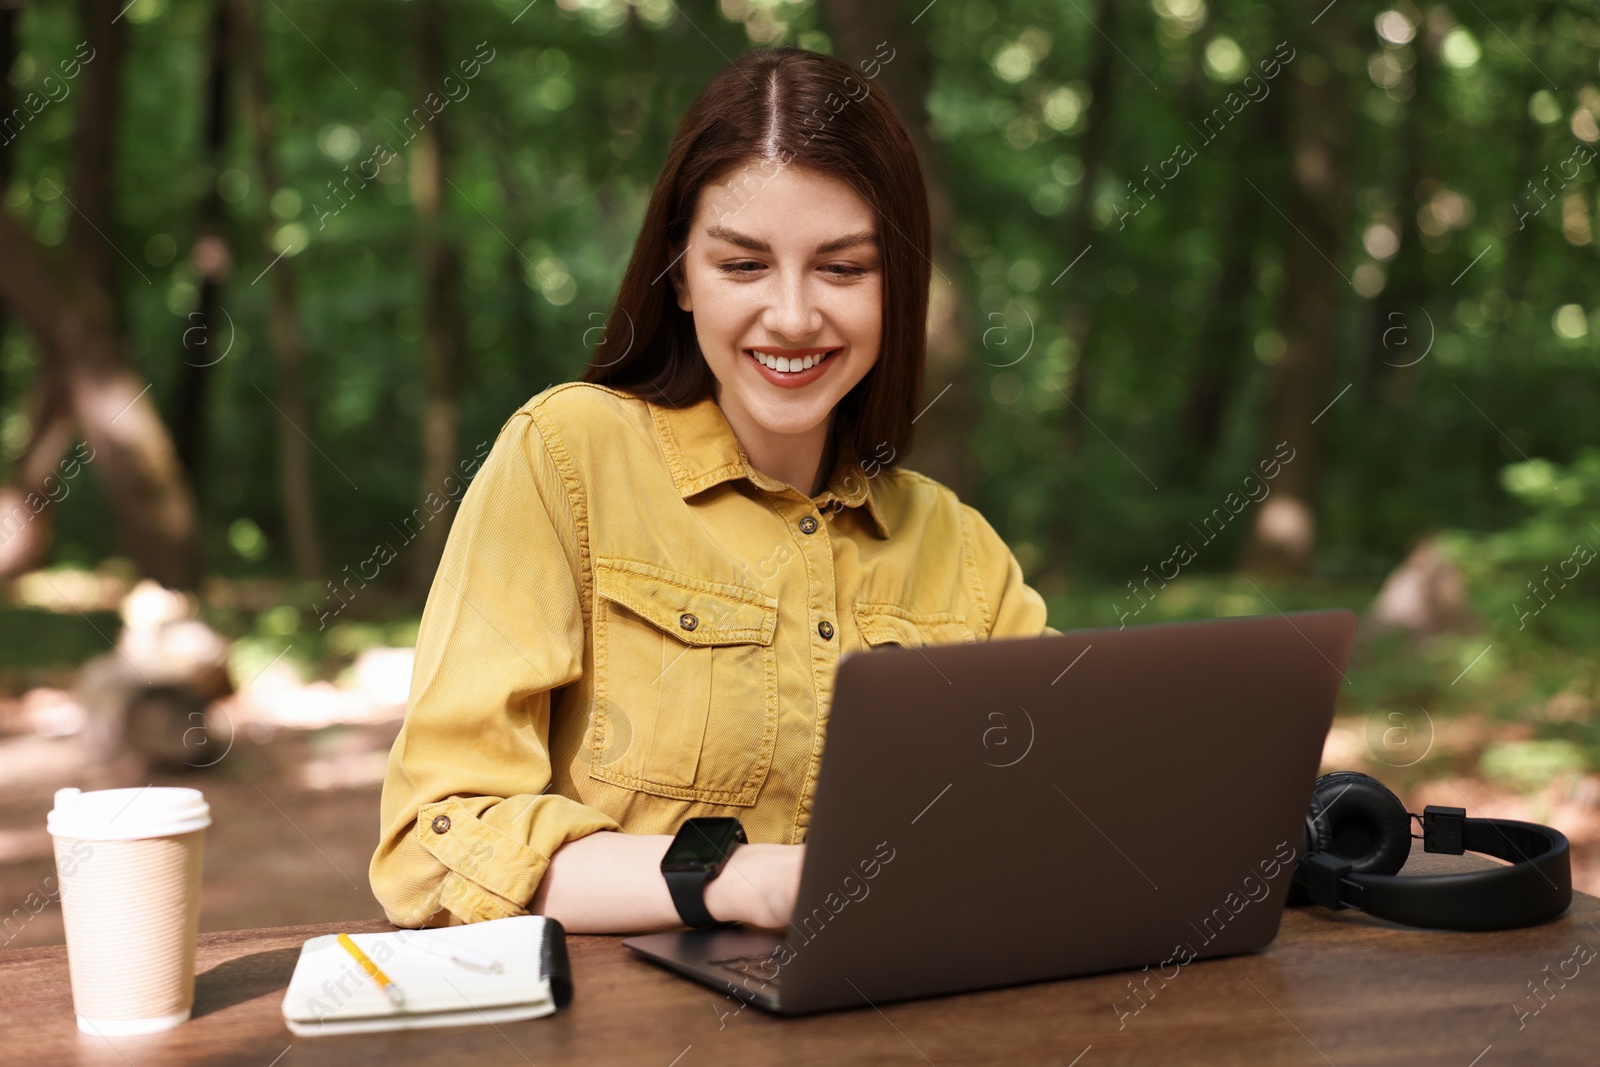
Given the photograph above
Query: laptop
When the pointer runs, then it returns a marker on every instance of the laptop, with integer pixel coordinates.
(1027, 809)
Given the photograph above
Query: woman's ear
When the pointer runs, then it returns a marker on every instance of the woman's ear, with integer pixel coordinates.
(680, 284)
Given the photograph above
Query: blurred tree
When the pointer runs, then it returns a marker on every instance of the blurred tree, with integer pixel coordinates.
(1529, 145)
(1080, 299)
(94, 142)
(132, 453)
(1221, 362)
(67, 301)
(27, 514)
(1283, 537)
(9, 18)
(295, 486)
(444, 346)
(50, 412)
(522, 321)
(1406, 284)
(210, 255)
(23, 543)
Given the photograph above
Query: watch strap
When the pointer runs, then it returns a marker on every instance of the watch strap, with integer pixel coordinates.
(688, 889)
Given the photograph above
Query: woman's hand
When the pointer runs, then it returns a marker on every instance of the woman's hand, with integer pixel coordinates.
(758, 886)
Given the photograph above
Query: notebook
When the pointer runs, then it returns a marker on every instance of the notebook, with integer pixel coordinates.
(330, 993)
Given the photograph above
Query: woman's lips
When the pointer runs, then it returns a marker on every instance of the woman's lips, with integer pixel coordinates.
(791, 379)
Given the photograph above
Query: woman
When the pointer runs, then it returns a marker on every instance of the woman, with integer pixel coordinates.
(651, 580)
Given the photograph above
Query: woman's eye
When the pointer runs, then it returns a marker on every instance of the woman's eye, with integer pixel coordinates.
(750, 266)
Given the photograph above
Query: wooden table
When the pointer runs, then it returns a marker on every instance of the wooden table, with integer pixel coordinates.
(1334, 988)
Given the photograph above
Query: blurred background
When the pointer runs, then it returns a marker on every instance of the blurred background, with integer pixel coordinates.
(1237, 308)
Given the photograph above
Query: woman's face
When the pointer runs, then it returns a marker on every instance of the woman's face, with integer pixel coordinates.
(783, 270)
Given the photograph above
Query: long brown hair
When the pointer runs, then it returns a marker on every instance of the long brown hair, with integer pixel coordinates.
(786, 105)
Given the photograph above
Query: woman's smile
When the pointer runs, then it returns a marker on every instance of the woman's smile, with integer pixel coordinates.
(791, 368)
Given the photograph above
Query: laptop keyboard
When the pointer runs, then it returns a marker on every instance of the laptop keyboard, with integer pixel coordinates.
(763, 968)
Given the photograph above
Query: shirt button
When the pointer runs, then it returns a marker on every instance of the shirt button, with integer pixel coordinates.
(688, 621)
(808, 525)
(825, 628)
(441, 823)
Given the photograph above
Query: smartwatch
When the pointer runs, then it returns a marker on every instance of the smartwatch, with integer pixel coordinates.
(697, 855)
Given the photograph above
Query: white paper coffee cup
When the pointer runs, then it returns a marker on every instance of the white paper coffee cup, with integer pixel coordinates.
(128, 862)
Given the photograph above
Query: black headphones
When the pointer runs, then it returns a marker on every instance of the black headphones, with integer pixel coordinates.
(1358, 836)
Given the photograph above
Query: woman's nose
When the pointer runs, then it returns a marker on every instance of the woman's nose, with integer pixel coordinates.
(793, 312)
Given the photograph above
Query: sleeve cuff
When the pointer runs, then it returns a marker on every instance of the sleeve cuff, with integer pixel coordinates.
(500, 872)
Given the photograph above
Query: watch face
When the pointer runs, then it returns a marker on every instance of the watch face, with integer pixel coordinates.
(702, 844)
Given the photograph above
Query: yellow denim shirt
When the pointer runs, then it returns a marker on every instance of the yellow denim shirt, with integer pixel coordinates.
(632, 626)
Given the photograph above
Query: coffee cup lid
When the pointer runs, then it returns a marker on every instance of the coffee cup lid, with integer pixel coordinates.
(128, 814)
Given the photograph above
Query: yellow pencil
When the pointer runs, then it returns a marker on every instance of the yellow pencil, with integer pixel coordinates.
(389, 988)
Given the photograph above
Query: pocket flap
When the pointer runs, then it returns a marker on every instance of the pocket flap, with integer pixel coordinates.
(694, 611)
(889, 624)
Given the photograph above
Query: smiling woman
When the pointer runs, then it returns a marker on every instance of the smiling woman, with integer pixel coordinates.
(650, 584)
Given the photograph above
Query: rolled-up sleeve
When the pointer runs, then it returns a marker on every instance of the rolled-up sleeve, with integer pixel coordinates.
(467, 828)
(1015, 608)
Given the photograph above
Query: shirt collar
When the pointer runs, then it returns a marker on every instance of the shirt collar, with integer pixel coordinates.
(702, 450)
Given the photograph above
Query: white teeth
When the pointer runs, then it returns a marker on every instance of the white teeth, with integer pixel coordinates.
(786, 365)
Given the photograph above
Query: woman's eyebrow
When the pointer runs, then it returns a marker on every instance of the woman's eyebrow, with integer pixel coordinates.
(755, 244)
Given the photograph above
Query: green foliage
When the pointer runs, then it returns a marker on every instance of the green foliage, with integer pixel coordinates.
(1537, 581)
(554, 149)
(1528, 765)
(33, 640)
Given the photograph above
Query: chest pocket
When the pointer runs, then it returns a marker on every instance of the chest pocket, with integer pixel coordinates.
(890, 624)
(689, 666)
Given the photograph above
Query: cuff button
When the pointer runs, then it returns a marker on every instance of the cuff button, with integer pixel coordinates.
(441, 823)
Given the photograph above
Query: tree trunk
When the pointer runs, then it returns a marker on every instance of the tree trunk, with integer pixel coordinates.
(91, 232)
(522, 326)
(9, 18)
(212, 259)
(1397, 336)
(1223, 348)
(1221, 344)
(26, 524)
(129, 447)
(1077, 291)
(1078, 297)
(26, 521)
(943, 442)
(82, 371)
(444, 345)
(292, 417)
(1529, 196)
(1283, 538)
(50, 420)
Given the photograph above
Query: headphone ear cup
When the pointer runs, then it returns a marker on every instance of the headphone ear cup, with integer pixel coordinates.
(1355, 817)
(1317, 835)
